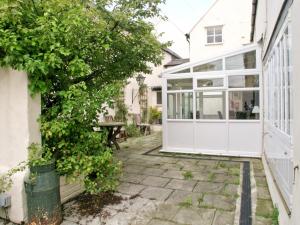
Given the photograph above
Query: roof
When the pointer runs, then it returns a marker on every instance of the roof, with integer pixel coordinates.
(176, 62)
(215, 2)
(172, 53)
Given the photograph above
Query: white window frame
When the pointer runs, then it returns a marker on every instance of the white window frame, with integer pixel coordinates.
(214, 35)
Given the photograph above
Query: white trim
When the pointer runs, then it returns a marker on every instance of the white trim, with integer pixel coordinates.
(211, 152)
(201, 62)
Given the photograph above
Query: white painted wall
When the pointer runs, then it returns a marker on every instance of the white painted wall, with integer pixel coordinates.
(152, 80)
(267, 14)
(235, 16)
(19, 128)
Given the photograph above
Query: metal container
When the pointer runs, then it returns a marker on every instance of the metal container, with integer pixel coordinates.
(43, 195)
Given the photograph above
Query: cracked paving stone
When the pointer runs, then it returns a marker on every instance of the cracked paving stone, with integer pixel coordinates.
(218, 202)
(208, 187)
(130, 189)
(155, 181)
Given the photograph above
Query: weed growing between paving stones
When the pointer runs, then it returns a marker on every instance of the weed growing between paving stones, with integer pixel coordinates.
(187, 203)
(211, 177)
(188, 175)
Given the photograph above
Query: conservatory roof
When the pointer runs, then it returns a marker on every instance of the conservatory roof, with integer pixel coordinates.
(240, 59)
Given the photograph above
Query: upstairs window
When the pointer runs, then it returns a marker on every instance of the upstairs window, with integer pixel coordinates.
(214, 34)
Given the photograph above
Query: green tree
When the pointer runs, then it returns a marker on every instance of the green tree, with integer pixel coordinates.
(76, 54)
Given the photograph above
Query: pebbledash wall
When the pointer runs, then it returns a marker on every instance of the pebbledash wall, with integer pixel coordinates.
(18, 129)
(276, 30)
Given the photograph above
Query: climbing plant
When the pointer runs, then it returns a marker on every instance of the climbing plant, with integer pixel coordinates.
(76, 53)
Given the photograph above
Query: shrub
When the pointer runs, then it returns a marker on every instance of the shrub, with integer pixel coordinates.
(155, 115)
(132, 130)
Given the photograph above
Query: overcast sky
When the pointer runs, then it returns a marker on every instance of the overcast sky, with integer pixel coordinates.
(183, 15)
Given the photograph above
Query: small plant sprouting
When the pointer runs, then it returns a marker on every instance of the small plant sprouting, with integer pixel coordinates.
(211, 176)
(188, 175)
(275, 215)
(200, 200)
(187, 203)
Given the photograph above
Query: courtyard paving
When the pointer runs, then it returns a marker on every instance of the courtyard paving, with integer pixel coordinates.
(176, 189)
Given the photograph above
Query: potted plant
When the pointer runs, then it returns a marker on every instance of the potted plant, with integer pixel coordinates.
(42, 187)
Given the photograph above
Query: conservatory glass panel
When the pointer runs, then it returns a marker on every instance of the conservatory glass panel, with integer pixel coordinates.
(244, 105)
(243, 81)
(211, 66)
(242, 61)
(180, 105)
(214, 82)
(210, 105)
(180, 84)
(188, 70)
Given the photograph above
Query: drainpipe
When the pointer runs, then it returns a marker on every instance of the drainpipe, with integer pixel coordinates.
(188, 37)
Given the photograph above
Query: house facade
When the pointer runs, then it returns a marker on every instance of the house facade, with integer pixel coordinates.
(225, 26)
(153, 82)
(275, 28)
(244, 102)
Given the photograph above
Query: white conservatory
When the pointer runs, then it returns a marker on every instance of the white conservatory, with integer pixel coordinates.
(215, 106)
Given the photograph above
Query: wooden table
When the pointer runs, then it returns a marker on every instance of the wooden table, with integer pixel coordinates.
(113, 129)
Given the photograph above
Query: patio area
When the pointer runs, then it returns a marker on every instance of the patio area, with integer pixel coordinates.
(165, 188)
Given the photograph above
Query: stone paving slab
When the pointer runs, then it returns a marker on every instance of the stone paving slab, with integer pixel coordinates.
(195, 216)
(155, 181)
(178, 197)
(208, 187)
(130, 189)
(166, 211)
(186, 185)
(218, 202)
(133, 178)
(155, 193)
(223, 218)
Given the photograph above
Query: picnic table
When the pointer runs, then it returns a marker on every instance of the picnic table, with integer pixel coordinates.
(113, 128)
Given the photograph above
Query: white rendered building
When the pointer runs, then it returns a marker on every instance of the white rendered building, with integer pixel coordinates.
(244, 101)
(224, 27)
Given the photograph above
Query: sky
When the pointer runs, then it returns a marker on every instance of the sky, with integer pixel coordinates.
(182, 16)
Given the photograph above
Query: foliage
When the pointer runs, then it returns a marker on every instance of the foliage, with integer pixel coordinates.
(120, 109)
(76, 54)
(132, 130)
(39, 155)
(187, 203)
(6, 178)
(155, 115)
(275, 216)
(187, 175)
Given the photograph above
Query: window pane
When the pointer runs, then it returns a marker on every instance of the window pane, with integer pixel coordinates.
(218, 38)
(188, 70)
(158, 98)
(218, 30)
(215, 82)
(210, 31)
(212, 66)
(180, 84)
(180, 105)
(210, 39)
(242, 61)
(243, 81)
(244, 105)
(210, 105)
